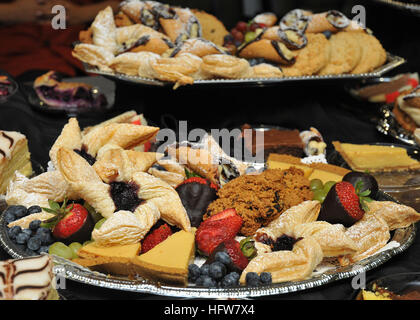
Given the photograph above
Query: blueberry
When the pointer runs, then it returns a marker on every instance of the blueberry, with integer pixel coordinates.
(22, 238)
(223, 257)
(205, 281)
(44, 249)
(34, 243)
(265, 278)
(18, 211)
(230, 280)
(253, 279)
(9, 217)
(46, 238)
(34, 225)
(42, 230)
(34, 209)
(217, 270)
(327, 34)
(14, 231)
(27, 231)
(193, 272)
(30, 252)
(204, 270)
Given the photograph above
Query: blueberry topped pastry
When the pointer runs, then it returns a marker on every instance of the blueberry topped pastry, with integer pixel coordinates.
(55, 93)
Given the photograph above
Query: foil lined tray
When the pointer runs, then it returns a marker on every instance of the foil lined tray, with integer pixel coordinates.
(389, 126)
(403, 238)
(391, 63)
(413, 8)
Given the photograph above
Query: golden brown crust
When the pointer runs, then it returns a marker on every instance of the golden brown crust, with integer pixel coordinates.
(122, 20)
(225, 66)
(213, 29)
(274, 51)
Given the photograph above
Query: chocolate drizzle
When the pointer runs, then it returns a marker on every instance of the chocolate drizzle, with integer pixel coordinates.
(8, 138)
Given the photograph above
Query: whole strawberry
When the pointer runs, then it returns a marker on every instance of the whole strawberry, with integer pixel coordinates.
(196, 194)
(155, 237)
(217, 229)
(71, 223)
(344, 204)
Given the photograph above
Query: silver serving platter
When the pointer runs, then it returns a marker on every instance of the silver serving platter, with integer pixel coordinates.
(69, 270)
(411, 7)
(389, 126)
(392, 62)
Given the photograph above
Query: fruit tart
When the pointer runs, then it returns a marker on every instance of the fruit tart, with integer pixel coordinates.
(55, 93)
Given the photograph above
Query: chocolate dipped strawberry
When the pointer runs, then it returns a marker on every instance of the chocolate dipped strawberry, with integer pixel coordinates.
(344, 204)
(196, 194)
(217, 229)
(70, 223)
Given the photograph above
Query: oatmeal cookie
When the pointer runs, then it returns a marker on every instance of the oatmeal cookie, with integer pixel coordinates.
(259, 199)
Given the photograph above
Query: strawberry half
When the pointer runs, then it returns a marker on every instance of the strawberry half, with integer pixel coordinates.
(344, 204)
(71, 223)
(155, 237)
(234, 249)
(217, 229)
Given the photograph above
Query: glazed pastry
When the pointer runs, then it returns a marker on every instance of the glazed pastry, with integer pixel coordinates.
(85, 182)
(164, 197)
(373, 54)
(125, 227)
(125, 135)
(180, 70)
(134, 63)
(395, 215)
(370, 234)
(198, 46)
(296, 19)
(310, 59)
(331, 237)
(55, 93)
(294, 265)
(93, 55)
(70, 137)
(270, 50)
(104, 31)
(226, 66)
(345, 54)
(305, 212)
(291, 38)
(212, 28)
(265, 70)
(268, 19)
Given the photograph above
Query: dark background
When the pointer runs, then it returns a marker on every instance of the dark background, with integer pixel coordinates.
(326, 106)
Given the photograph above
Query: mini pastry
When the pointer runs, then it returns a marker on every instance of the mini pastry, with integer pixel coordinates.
(296, 19)
(332, 20)
(270, 50)
(141, 12)
(225, 66)
(126, 117)
(125, 135)
(294, 265)
(268, 19)
(310, 59)
(180, 24)
(55, 93)
(28, 279)
(14, 156)
(198, 46)
(169, 171)
(104, 33)
(395, 215)
(370, 234)
(212, 28)
(265, 70)
(406, 109)
(313, 142)
(345, 54)
(130, 62)
(93, 55)
(293, 39)
(373, 54)
(331, 237)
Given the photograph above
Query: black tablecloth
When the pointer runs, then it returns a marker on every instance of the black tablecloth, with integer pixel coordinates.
(326, 106)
